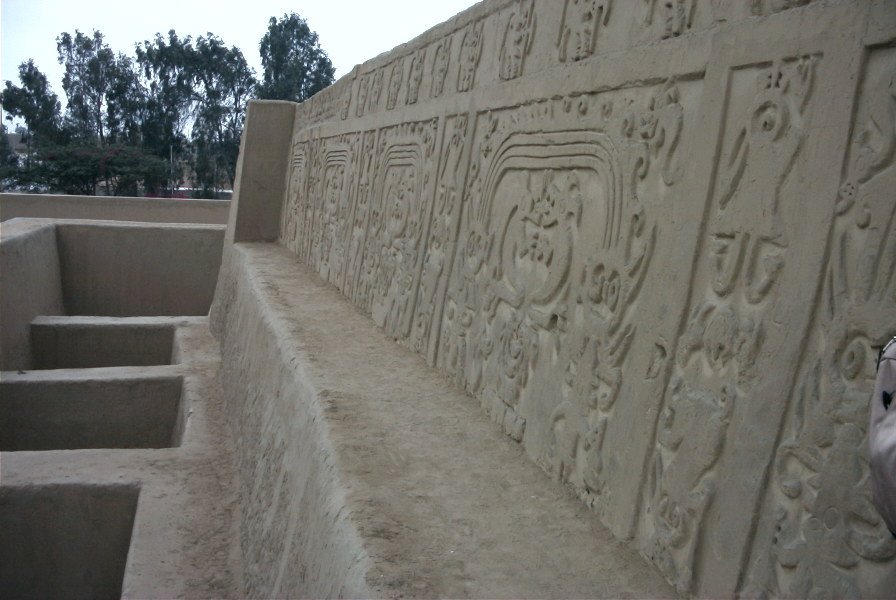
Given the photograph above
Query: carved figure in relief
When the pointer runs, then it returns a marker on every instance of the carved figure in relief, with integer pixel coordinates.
(397, 241)
(470, 50)
(314, 192)
(827, 528)
(745, 258)
(401, 287)
(390, 269)
(579, 25)
(537, 245)
(371, 256)
(771, 137)
(429, 282)
(440, 67)
(610, 284)
(441, 238)
(342, 225)
(828, 523)
(874, 146)
(460, 346)
(518, 349)
(292, 214)
(395, 81)
(376, 90)
(546, 288)
(416, 77)
(590, 389)
(359, 225)
(659, 128)
(563, 441)
(328, 226)
(682, 484)
(346, 103)
(519, 34)
(533, 253)
(677, 16)
(363, 86)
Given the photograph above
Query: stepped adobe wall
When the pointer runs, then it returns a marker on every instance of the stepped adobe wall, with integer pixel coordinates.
(656, 240)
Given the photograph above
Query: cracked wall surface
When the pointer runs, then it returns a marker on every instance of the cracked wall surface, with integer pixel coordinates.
(656, 240)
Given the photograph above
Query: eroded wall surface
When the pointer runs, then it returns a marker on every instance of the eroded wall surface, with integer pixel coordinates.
(657, 240)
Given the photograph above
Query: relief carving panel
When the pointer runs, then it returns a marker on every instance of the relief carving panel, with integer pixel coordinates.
(751, 267)
(399, 199)
(442, 240)
(670, 18)
(328, 217)
(519, 33)
(415, 79)
(470, 51)
(579, 25)
(396, 78)
(558, 235)
(292, 221)
(821, 534)
(440, 63)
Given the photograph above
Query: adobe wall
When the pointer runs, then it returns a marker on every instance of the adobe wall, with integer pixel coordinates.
(113, 208)
(657, 240)
(100, 268)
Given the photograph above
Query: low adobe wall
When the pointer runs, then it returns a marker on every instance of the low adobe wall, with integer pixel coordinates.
(656, 240)
(113, 208)
(100, 268)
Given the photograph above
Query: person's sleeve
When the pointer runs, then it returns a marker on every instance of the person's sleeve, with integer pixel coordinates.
(882, 439)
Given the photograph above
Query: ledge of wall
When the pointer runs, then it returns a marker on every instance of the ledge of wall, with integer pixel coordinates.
(654, 239)
(365, 474)
(32, 285)
(113, 208)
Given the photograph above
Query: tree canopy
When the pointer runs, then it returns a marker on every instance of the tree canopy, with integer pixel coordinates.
(295, 66)
(173, 112)
(33, 102)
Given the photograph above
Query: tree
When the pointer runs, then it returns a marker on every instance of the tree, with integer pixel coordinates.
(295, 66)
(79, 166)
(104, 91)
(139, 122)
(223, 86)
(34, 102)
(9, 163)
(198, 90)
(167, 67)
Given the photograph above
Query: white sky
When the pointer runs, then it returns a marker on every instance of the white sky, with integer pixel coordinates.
(350, 31)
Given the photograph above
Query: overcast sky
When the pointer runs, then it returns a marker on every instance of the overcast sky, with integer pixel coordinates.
(351, 31)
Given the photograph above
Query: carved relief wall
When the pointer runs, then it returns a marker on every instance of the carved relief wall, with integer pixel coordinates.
(621, 227)
(820, 532)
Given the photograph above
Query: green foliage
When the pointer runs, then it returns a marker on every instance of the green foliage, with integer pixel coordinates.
(223, 85)
(198, 92)
(9, 163)
(78, 168)
(105, 94)
(295, 66)
(34, 103)
(167, 67)
(138, 124)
